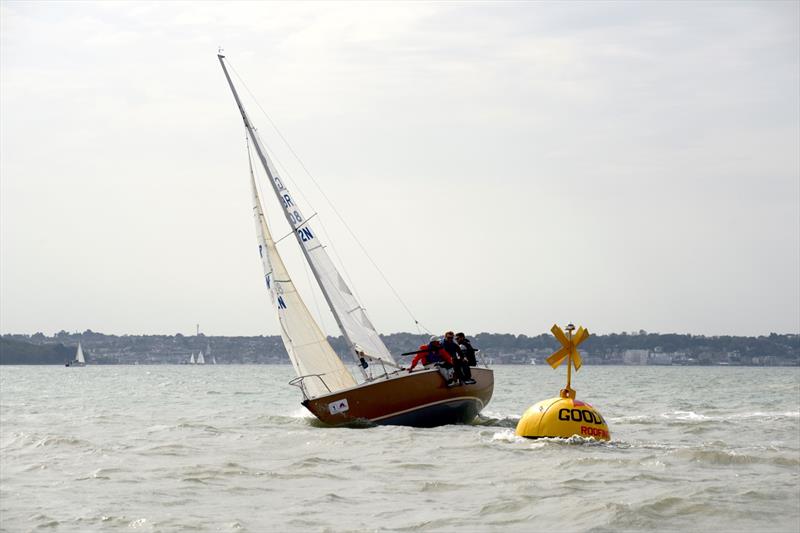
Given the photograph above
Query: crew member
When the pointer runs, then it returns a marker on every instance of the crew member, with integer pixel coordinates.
(466, 348)
(433, 354)
(459, 359)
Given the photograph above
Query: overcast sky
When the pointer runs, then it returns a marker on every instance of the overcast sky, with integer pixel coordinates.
(623, 166)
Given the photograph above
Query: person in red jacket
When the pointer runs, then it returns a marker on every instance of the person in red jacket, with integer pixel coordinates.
(433, 354)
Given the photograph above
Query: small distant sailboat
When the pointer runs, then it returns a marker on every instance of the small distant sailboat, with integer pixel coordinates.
(191, 359)
(208, 353)
(200, 359)
(79, 360)
(533, 362)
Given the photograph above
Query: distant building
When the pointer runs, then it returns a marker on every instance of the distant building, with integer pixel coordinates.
(660, 359)
(635, 357)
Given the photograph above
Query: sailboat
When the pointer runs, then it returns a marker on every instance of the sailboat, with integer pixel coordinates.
(385, 394)
(208, 353)
(79, 360)
(191, 359)
(200, 359)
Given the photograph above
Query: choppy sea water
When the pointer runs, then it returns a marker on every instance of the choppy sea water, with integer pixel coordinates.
(229, 448)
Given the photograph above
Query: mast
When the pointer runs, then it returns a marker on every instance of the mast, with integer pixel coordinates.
(303, 235)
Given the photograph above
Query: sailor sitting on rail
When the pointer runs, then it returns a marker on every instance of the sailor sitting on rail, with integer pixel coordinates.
(433, 354)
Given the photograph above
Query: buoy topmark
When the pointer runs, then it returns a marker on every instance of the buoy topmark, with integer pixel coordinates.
(564, 416)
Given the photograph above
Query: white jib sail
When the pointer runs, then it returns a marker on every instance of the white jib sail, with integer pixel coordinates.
(200, 359)
(191, 359)
(79, 354)
(308, 348)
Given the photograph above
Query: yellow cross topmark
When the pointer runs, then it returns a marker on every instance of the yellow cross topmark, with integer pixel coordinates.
(569, 347)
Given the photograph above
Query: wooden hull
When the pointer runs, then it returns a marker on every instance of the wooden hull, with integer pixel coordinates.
(419, 399)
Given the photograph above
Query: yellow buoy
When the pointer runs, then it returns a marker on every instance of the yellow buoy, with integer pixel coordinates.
(564, 416)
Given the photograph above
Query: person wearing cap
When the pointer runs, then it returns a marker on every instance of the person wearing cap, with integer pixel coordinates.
(459, 359)
(433, 354)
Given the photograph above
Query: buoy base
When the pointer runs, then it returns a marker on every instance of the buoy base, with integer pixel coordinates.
(563, 417)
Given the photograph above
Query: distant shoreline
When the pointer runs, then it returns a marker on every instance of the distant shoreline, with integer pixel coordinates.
(642, 348)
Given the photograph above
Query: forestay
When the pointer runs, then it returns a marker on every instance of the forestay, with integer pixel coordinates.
(308, 348)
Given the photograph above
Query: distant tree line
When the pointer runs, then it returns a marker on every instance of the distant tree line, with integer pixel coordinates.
(615, 348)
(17, 352)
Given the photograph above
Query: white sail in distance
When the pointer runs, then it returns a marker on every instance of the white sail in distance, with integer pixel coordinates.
(309, 350)
(191, 359)
(79, 354)
(200, 359)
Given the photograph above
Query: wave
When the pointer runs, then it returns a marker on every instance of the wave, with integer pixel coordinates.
(693, 416)
(172, 449)
(493, 419)
(490, 418)
(45, 522)
(731, 457)
(439, 486)
(194, 425)
(101, 473)
(57, 440)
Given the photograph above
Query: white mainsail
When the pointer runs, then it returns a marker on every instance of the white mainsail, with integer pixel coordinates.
(79, 354)
(308, 348)
(200, 359)
(191, 359)
(350, 315)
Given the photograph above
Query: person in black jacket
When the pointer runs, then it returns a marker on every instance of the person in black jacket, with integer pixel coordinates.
(459, 359)
(466, 348)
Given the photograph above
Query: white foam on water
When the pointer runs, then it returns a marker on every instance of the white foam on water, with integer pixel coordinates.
(507, 435)
(699, 417)
(684, 415)
(303, 413)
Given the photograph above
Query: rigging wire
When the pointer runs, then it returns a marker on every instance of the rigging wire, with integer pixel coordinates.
(325, 196)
